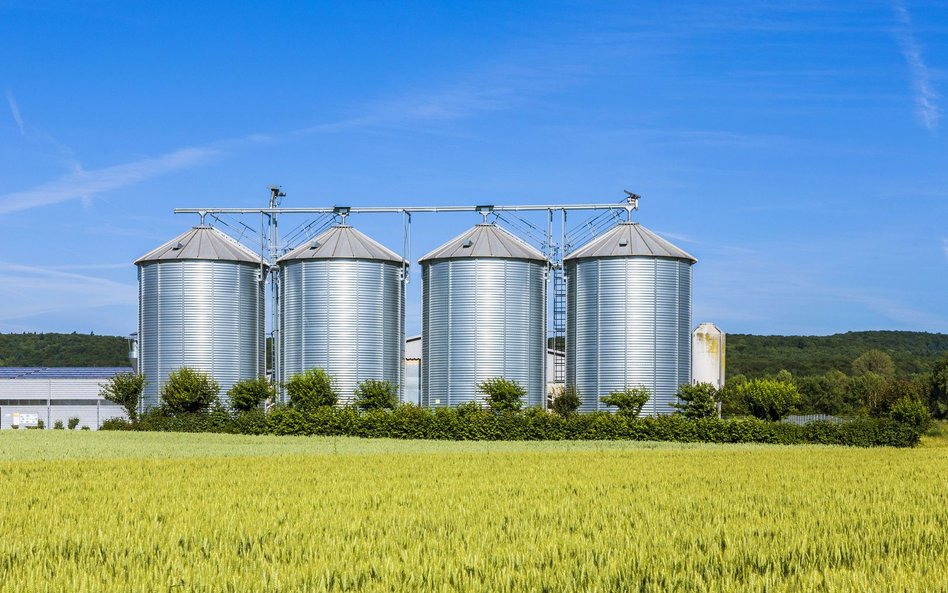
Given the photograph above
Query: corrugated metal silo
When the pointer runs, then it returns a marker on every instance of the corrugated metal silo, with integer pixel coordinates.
(343, 310)
(201, 305)
(707, 355)
(483, 316)
(628, 317)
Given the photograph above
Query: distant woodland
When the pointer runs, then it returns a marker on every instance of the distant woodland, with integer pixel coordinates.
(63, 350)
(749, 355)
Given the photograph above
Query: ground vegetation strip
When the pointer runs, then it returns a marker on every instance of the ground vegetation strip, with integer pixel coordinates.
(149, 512)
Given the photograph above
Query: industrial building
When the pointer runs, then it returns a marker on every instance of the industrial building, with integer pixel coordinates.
(622, 303)
(201, 305)
(483, 316)
(628, 317)
(708, 345)
(29, 396)
(342, 309)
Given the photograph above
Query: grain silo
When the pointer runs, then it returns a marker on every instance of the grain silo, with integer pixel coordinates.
(343, 310)
(707, 355)
(201, 305)
(483, 316)
(628, 317)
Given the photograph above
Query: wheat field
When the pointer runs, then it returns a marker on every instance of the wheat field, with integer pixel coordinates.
(121, 512)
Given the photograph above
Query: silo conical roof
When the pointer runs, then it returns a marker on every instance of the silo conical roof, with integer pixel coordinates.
(201, 242)
(342, 242)
(485, 240)
(630, 239)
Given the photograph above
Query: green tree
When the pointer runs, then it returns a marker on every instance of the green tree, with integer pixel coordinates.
(868, 390)
(247, 395)
(938, 388)
(312, 389)
(373, 394)
(125, 389)
(628, 401)
(503, 395)
(731, 402)
(912, 412)
(768, 399)
(565, 400)
(784, 376)
(697, 401)
(188, 390)
(874, 361)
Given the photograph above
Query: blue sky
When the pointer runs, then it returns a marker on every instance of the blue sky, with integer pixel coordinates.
(797, 149)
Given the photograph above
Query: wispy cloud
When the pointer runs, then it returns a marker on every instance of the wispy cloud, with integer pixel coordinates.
(15, 111)
(489, 91)
(926, 105)
(944, 247)
(28, 291)
(84, 184)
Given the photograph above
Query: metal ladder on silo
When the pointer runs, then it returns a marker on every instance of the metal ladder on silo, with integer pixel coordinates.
(559, 319)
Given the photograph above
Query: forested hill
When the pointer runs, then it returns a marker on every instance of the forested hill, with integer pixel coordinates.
(750, 355)
(62, 350)
(912, 352)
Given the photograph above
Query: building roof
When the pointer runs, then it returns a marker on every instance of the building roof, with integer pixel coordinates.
(485, 240)
(61, 372)
(342, 242)
(629, 239)
(204, 243)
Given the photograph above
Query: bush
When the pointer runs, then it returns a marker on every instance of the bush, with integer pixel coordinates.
(938, 388)
(86, 428)
(125, 389)
(188, 391)
(310, 390)
(697, 401)
(768, 399)
(72, 423)
(40, 424)
(566, 400)
(376, 395)
(629, 401)
(118, 424)
(470, 422)
(503, 395)
(247, 395)
(58, 425)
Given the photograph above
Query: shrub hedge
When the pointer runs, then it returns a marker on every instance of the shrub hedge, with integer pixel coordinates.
(470, 423)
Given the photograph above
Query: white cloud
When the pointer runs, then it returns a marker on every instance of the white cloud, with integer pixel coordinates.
(15, 110)
(28, 291)
(83, 184)
(926, 106)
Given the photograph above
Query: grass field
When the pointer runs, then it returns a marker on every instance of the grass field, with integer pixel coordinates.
(126, 512)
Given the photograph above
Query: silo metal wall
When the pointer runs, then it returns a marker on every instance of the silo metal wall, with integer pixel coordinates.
(207, 315)
(482, 318)
(628, 325)
(345, 316)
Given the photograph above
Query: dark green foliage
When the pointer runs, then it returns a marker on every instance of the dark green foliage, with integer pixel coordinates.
(628, 401)
(188, 391)
(248, 394)
(86, 428)
(566, 400)
(911, 412)
(768, 399)
(472, 423)
(58, 425)
(827, 394)
(40, 424)
(372, 394)
(125, 389)
(874, 361)
(503, 395)
(938, 388)
(72, 423)
(697, 401)
(118, 424)
(62, 350)
(311, 389)
(758, 356)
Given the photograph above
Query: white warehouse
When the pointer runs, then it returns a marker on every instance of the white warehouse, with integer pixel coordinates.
(29, 396)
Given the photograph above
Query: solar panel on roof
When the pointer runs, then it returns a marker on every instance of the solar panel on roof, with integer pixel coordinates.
(61, 372)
